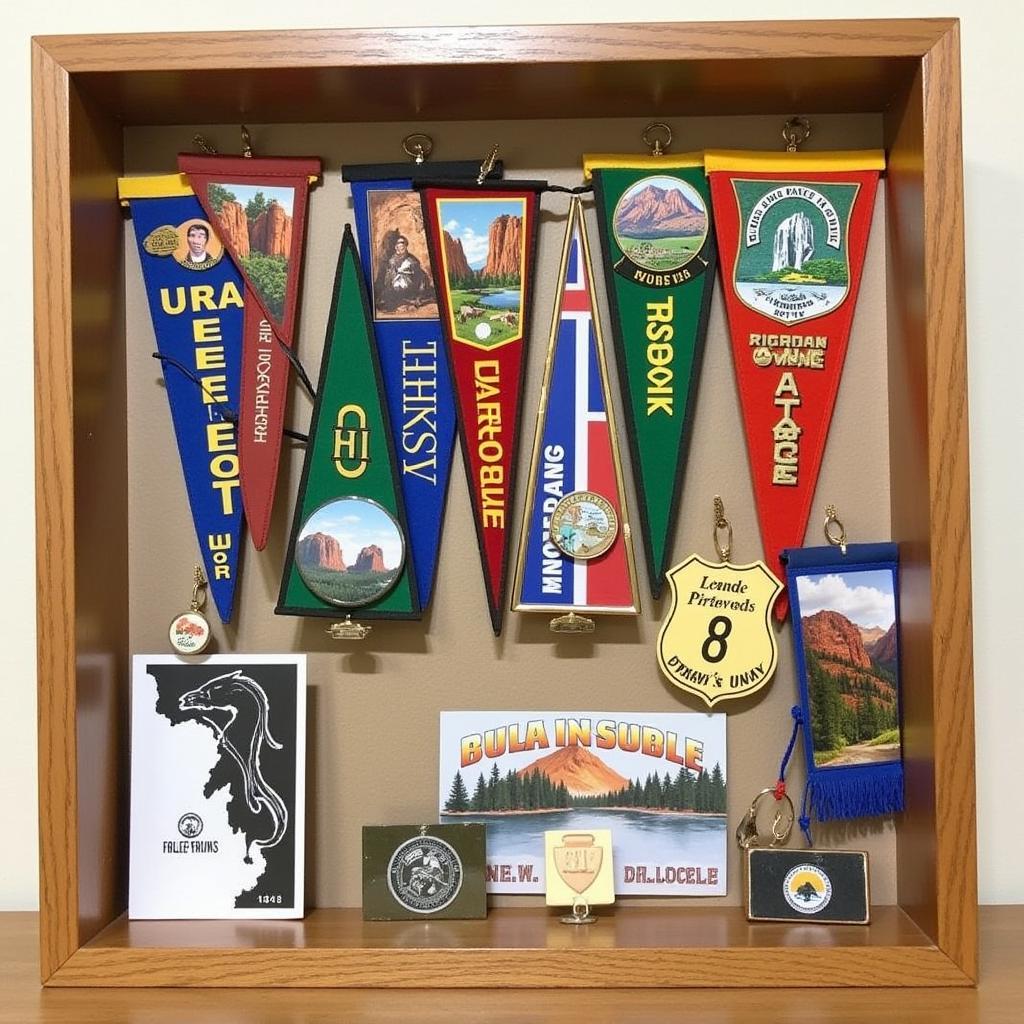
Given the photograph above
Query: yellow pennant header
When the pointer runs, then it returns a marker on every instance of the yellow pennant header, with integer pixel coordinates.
(154, 186)
(840, 160)
(631, 161)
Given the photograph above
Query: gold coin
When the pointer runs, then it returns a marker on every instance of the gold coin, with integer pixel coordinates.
(584, 525)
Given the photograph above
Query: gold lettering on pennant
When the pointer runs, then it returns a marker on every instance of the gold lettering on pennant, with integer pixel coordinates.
(659, 355)
(351, 441)
(786, 433)
(490, 441)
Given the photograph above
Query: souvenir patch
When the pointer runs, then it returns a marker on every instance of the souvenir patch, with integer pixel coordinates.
(792, 229)
(406, 323)
(575, 549)
(195, 301)
(259, 206)
(579, 871)
(846, 637)
(483, 243)
(660, 258)
(348, 546)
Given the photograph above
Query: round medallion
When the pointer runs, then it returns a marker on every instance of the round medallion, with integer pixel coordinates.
(660, 223)
(807, 889)
(425, 874)
(189, 633)
(584, 525)
(190, 825)
(350, 552)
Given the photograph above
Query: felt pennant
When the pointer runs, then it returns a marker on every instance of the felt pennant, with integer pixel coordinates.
(259, 206)
(846, 636)
(792, 230)
(575, 548)
(660, 259)
(407, 328)
(483, 242)
(195, 300)
(348, 548)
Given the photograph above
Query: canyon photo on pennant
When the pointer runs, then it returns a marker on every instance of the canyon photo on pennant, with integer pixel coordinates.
(484, 263)
(350, 552)
(851, 657)
(657, 780)
(256, 222)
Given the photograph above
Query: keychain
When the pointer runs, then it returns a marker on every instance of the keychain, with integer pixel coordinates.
(189, 632)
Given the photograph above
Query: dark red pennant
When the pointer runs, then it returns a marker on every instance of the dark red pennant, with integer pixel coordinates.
(482, 248)
(259, 206)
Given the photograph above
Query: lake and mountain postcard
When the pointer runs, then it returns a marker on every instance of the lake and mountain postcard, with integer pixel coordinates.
(658, 781)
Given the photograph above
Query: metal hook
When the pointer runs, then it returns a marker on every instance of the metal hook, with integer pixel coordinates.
(246, 142)
(659, 145)
(721, 523)
(418, 145)
(488, 165)
(198, 587)
(795, 132)
(837, 539)
(200, 141)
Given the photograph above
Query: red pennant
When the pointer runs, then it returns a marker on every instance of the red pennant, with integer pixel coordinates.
(792, 245)
(259, 207)
(482, 248)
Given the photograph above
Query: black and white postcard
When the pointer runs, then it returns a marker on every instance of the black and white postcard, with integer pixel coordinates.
(218, 786)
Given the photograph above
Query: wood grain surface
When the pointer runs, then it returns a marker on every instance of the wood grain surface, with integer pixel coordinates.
(997, 999)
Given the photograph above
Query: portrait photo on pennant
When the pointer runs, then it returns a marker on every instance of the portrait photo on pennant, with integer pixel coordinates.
(401, 282)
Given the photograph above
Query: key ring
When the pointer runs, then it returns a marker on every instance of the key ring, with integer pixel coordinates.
(747, 834)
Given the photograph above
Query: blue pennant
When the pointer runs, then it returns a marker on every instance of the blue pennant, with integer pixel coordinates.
(417, 381)
(845, 605)
(195, 299)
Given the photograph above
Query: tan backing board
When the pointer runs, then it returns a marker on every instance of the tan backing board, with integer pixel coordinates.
(374, 707)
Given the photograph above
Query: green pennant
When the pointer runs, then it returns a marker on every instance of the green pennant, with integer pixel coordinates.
(349, 550)
(660, 261)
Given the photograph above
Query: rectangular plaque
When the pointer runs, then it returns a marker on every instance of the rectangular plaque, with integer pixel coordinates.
(821, 886)
(417, 872)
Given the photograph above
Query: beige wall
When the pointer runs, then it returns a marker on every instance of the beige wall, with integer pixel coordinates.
(992, 90)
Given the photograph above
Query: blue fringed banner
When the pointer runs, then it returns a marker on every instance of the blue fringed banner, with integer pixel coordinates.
(846, 637)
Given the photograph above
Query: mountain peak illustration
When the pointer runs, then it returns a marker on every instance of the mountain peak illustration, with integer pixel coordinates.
(504, 241)
(583, 773)
(370, 559)
(455, 257)
(833, 635)
(659, 213)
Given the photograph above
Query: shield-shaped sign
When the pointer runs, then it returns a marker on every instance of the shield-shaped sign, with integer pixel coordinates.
(578, 861)
(717, 640)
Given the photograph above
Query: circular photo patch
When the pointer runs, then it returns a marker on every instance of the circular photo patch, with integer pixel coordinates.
(425, 874)
(198, 248)
(584, 525)
(350, 552)
(660, 223)
(807, 889)
(189, 633)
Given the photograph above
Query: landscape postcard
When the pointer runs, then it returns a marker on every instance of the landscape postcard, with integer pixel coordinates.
(658, 781)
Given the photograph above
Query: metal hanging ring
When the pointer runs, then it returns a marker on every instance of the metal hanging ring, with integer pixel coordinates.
(418, 145)
(747, 834)
(724, 550)
(246, 142)
(795, 132)
(658, 136)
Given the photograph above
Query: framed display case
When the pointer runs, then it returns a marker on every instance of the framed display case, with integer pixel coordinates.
(109, 105)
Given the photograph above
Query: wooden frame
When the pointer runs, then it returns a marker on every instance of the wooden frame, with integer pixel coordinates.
(86, 88)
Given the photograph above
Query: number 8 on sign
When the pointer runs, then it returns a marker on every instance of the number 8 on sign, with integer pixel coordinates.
(717, 640)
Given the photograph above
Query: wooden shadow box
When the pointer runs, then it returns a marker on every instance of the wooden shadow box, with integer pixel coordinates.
(89, 90)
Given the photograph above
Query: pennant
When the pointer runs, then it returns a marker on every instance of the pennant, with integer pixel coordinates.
(348, 548)
(846, 637)
(575, 547)
(793, 230)
(660, 258)
(259, 207)
(195, 301)
(407, 328)
(483, 242)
